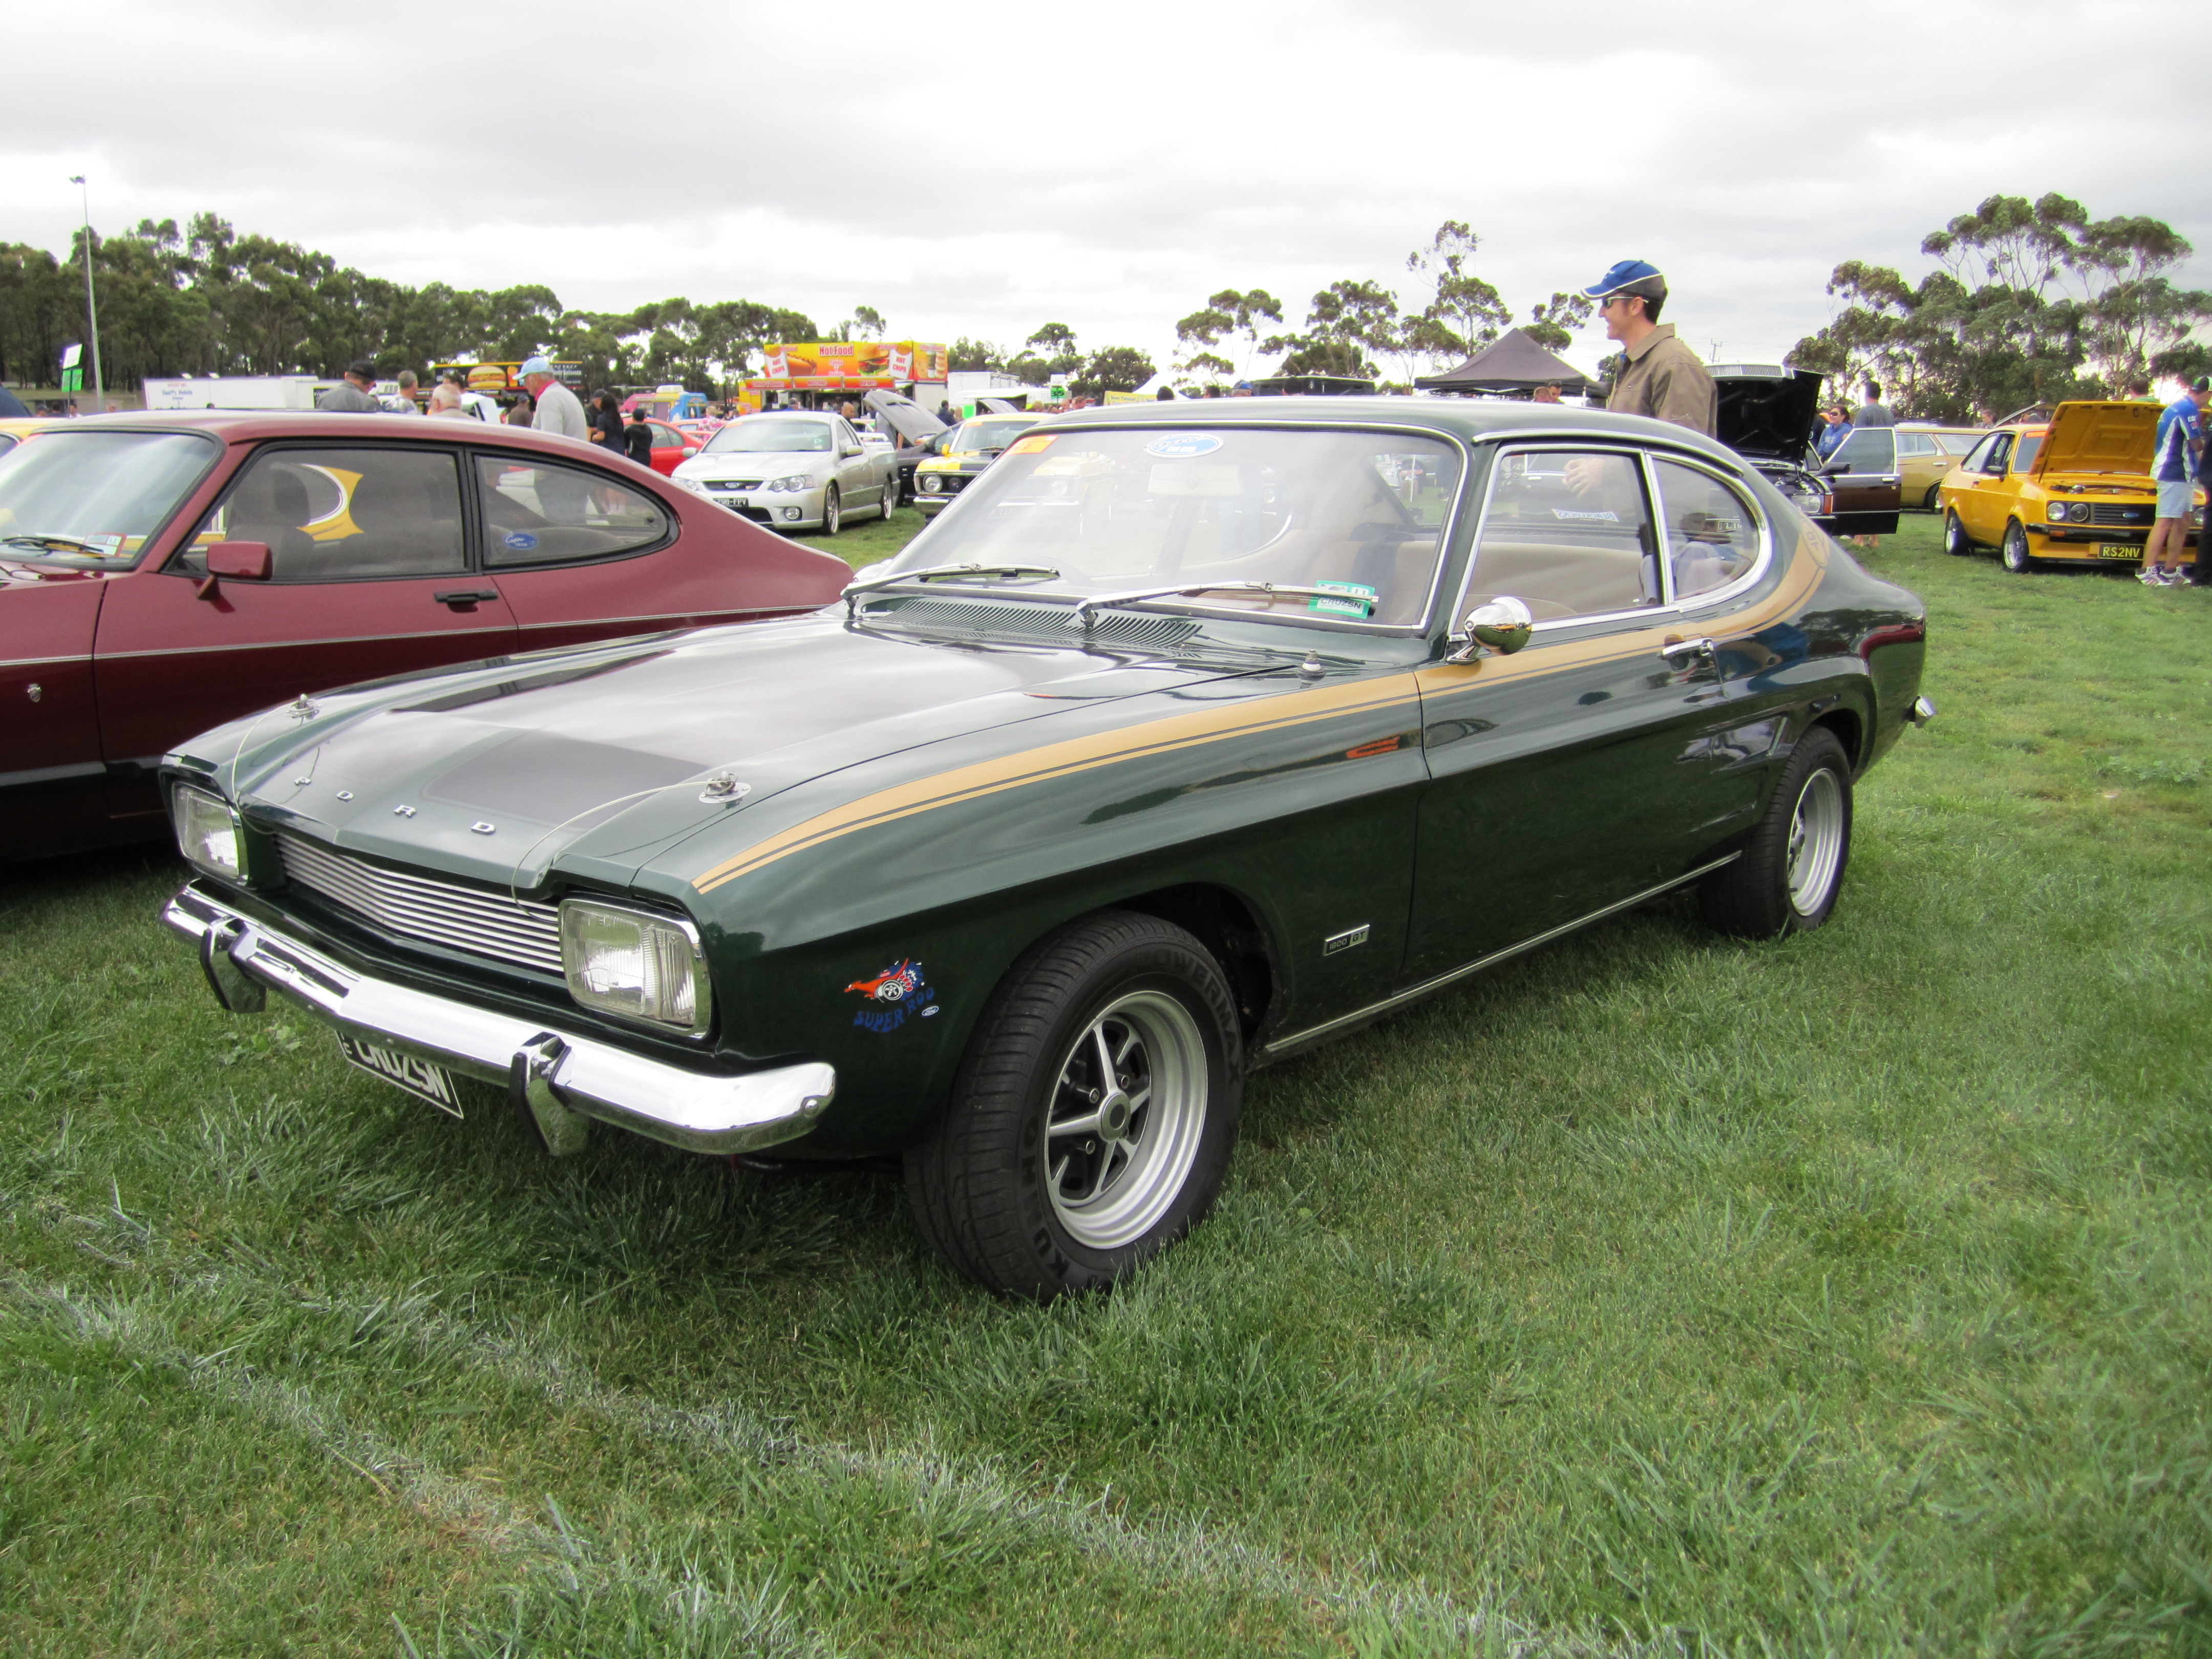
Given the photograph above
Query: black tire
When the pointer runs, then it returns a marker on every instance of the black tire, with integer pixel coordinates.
(2013, 550)
(1956, 542)
(1786, 882)
(833, 511)
(984, 1188)
(1934, 497)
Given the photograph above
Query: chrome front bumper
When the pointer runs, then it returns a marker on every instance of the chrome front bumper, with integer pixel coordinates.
(564, 1081)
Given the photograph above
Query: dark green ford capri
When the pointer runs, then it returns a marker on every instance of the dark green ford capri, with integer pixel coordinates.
(1185, 739)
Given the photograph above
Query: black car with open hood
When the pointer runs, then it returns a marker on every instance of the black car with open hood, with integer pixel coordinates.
(1767, 413)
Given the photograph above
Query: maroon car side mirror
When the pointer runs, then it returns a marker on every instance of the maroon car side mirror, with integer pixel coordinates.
(242, 562)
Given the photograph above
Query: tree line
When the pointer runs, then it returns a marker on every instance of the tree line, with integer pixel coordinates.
(2029, 303)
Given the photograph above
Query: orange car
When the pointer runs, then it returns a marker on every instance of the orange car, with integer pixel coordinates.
(2077, 489)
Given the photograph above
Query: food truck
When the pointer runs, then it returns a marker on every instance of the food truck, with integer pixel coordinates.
(811, 373)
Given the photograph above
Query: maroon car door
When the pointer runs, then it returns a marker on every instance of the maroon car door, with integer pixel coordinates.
(370, 576)
(49, 732)
(584, 555)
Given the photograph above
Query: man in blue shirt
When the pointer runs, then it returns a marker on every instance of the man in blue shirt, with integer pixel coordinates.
(2174, 456)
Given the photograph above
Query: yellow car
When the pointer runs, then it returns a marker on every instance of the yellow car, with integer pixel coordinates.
(13, 432)
(962, 455)
(2077, 489)
(1925, 456)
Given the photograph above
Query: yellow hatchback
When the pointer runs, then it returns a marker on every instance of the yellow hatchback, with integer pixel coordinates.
(2077, 489)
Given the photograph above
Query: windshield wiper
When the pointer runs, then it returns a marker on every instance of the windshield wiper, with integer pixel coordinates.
(55, 544)
(1085, 608)
(852, 591)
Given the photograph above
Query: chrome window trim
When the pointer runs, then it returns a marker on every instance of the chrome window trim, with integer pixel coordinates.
(703, 1019)
(1646, 459)
(1446, 532)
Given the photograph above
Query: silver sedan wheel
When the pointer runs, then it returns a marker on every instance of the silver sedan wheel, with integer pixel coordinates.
(1126, 1118)
(1816, 842)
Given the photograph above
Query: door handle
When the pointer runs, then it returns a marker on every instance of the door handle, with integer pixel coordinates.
(465, 599)
(1692, 648)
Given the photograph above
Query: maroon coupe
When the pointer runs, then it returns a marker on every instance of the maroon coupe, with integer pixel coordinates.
(160, 575)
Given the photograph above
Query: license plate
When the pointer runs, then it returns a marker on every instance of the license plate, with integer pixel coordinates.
(418, 1078)
(2118, 550)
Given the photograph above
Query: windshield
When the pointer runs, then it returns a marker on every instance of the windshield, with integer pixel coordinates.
(2024, 453)
(988, 434)
(772, 435)
(1359, 512)
(95, 498)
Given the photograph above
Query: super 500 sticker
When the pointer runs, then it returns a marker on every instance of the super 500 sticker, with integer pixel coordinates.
(898, 993)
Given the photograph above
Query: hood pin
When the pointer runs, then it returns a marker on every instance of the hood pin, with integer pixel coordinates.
(304, 710)
(482, 827)
(402, 811)
(723, 789)
(1310, 669)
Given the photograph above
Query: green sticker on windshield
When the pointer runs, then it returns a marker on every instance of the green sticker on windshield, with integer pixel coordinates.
(1358, 603)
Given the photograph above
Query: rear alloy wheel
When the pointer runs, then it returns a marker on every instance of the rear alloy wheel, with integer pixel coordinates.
(890, 496)
(833, 512)
(2017, 559)
(1955, 540)
(1093, 1114)
(1792, 868)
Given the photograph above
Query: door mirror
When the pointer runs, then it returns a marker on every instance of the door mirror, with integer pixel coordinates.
(242, 562)
(1501, 626)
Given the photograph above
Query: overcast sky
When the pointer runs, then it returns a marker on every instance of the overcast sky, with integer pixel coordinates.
(973, 167)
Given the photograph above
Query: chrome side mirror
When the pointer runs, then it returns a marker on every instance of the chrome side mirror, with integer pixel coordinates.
(1501, 626)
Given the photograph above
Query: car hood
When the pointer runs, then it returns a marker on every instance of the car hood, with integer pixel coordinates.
(774, 462)
(1764, 416)
(598, 756)
(2103, 438)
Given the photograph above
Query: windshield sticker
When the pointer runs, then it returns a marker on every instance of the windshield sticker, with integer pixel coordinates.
(1182, 446)
(1358, 601)
(1036, 444)
(106, 547)
(899, 993)
(520, 540)
(1595, 518)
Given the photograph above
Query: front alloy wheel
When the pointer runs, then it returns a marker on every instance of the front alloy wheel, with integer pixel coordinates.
(832, 513)
(1955, 540)
(1792, 868)
(2017, 559)
(1093, 1114)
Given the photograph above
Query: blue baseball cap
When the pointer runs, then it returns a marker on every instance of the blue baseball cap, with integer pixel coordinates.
(1625, 275)
(532, 365)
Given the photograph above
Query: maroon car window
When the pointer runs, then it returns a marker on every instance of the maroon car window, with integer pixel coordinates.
(338, 515)
(541, 514)
(95, 499)
(1712, 535)
(1568, 534)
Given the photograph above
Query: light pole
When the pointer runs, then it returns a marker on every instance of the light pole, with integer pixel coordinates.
(91, 310)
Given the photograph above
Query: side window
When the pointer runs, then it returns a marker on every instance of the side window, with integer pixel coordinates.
(1568, 532)
(335, 515)
(1870, 449)
(665, 437)
(541, 514)
(1911, 443)
(1999, 452)
(1712, 537)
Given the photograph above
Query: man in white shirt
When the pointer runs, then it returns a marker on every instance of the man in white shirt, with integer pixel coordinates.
(559, 409)
(402, 401)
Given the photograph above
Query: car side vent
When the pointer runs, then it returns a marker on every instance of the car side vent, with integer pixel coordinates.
(1032, 621)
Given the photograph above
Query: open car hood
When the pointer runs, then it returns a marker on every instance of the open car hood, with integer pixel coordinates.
(1766, 415)
(2107, 438)
(907, 418)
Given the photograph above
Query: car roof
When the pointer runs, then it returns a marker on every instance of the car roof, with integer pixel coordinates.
(253, 425)
(1468, 418)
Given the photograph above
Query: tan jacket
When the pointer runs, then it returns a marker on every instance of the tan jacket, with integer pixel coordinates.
(1663, 378)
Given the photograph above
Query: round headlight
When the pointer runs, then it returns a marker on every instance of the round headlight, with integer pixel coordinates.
(2056, 513)
(932, 484)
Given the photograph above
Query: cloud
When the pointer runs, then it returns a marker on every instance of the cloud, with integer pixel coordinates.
(1108, 169)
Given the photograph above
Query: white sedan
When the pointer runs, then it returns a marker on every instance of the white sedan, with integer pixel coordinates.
(792, 469)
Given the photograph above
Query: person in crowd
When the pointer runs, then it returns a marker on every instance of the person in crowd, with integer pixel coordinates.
(1164, 395)
(2177, 453)
(637, 437)
(1659, 376)
(2136, 390)
(521, 410)
(606, 429)
(1831, 436)
(945, 412)
(402, 401)
(1241, 389)
(2200, 572)
(1546, 393)
(352, 394)
(559, 409)
(446, 396)
(1874, 411)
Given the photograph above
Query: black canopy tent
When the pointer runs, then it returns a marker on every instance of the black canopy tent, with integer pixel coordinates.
(1513, 363)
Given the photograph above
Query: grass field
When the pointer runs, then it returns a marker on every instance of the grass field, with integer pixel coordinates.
(1660, 1293)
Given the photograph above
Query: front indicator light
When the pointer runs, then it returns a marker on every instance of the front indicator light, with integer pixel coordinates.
(209, 833)
(635, 965)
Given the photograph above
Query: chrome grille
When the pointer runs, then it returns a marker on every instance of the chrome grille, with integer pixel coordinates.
(2119, 512)
(468, 919)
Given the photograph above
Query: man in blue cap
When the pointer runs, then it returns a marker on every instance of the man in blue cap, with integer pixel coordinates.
(1659, 375)
(558, 408)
